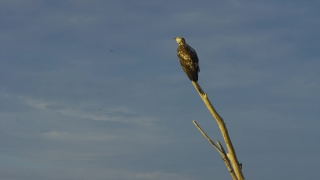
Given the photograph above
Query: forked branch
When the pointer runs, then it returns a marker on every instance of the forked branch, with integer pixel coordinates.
(231, 152)
(219, 149)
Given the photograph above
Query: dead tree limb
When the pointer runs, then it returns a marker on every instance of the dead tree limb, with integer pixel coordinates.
(220, 151)
(231, 152)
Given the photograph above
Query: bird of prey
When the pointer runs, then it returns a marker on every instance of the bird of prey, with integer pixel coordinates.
(188, 59)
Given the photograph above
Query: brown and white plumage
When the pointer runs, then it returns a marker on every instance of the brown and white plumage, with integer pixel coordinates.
(188, 59)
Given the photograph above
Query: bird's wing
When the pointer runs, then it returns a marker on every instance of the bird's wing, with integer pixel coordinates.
(188, 56)
(194, 57)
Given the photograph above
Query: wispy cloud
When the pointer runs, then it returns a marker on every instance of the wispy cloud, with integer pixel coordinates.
(89, 111)
(65, 136)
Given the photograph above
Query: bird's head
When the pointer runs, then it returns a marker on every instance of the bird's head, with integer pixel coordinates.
(180, 40)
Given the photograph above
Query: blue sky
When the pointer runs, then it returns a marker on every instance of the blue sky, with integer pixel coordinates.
(94, 89)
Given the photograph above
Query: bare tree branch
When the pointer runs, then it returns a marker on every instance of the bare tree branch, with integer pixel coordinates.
(220, 151)
(231, 152)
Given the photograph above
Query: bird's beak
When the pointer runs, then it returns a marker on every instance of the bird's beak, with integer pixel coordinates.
(174, 38)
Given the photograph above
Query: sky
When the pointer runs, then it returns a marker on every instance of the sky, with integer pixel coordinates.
(94, 89)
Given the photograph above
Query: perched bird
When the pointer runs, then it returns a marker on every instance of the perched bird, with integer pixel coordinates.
(188, 59)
